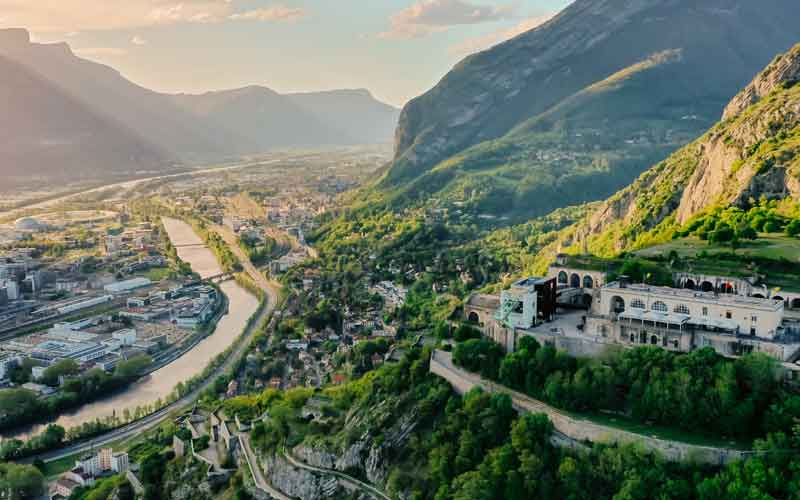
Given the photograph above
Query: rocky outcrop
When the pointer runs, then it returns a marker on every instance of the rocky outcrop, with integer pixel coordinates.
(298, 483)
(187, 480)
(785, 69)
(367, 454)
(750, 155)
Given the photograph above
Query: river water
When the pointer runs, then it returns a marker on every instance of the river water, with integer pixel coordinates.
(160, 383)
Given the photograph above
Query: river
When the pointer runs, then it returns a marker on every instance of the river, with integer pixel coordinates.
(160, 383)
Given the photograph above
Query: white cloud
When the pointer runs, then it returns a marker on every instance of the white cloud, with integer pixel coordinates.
(65, 16)
(137, 40)
(477, 44)
(275, 13)
(430, 16)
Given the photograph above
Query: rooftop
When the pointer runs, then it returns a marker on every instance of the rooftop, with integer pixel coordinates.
(484, 300)
(682, 293)
(530, 282)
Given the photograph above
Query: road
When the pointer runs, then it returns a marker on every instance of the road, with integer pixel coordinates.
(574, 430)
(272, 291)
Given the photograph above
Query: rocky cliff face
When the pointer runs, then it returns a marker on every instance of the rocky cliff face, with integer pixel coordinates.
(753, 153)
(504, 114)
(784, 69)
(366, 454)
(298, 483)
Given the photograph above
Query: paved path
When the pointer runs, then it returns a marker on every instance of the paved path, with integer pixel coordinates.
(272, 291)
(255, 469)
(573, 430)
(367, 488)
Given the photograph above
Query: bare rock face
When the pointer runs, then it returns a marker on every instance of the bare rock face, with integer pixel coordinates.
(297, 483)
(366, 454)
(748, 156)
(785, 69)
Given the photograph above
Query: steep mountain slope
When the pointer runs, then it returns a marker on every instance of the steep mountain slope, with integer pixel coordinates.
(753, 153)
(45, 132)
(578, 107)
(356, 113)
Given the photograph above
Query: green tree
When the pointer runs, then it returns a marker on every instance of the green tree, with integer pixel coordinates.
(793, 228)
(63, 368)
(20, 482)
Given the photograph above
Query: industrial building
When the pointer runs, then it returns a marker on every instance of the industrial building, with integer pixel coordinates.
(127, 286)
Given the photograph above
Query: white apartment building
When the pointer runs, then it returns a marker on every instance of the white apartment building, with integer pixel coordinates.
(126, 336)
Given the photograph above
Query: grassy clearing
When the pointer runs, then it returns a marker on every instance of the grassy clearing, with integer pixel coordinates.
(768, 246)
(157, 274)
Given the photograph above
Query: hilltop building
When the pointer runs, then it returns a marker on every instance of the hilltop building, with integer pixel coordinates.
(595, 316)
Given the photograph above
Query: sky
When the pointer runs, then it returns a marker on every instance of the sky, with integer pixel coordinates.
(397, 49)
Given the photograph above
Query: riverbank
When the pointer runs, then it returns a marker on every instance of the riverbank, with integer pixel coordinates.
(152, 392)
(187, 392)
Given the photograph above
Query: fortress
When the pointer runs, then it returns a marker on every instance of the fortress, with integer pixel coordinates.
(579, 311)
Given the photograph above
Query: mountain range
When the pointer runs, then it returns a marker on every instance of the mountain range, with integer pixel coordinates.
(67, 117)
(577, 108)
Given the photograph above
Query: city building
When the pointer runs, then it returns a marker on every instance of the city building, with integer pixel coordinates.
(89, 464)
(8, 361)
(126, 336)
(109, 460)
(82, 352)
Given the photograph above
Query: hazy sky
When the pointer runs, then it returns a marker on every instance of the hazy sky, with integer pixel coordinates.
(396, 48)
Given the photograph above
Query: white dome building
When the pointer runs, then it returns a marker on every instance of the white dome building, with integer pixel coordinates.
(29, 224)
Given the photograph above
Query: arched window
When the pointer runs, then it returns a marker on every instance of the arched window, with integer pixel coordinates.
(617, 305)
(562, 278)
(588, 282)
(689, 284)
(660, 306)
(637, 304)
(474, 318)
(575, 281)
(682, 309)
